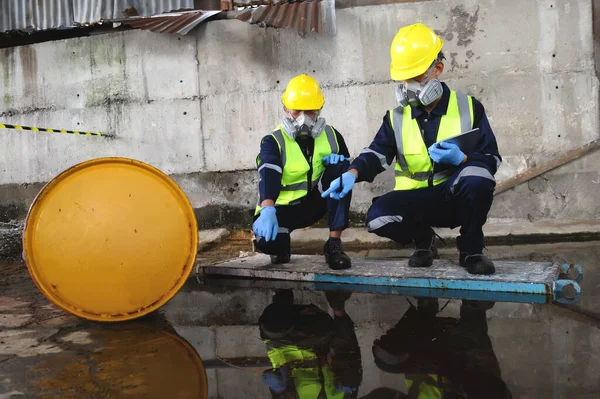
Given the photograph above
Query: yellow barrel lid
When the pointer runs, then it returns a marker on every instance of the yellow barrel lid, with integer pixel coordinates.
(110, 239)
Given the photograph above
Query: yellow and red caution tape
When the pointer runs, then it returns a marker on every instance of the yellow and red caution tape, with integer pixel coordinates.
(48, 130)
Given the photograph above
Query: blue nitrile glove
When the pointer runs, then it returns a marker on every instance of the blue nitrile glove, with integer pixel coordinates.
(275, 379)
(447, 153)
(346, 181)
(266, 225)
(346, 389)
(333, 159)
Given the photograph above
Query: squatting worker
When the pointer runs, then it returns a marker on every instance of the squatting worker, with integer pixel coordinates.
(297, 162)
(461, 193)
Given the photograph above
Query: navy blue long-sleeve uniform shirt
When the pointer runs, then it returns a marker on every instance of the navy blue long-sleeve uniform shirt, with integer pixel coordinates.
(270, 167)
(382, 151)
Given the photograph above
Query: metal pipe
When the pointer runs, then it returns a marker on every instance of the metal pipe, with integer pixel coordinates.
(565, 158)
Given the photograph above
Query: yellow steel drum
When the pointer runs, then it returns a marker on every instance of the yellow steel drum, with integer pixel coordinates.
(110, 239)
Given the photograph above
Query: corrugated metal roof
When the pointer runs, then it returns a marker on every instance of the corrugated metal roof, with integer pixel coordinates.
(49, 14)
(306, 16)
(174, 23)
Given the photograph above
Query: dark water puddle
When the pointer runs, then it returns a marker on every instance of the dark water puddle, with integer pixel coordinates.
(249, 339)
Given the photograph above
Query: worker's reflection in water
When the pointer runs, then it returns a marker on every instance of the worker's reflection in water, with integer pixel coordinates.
(313, 355)
(441, 357)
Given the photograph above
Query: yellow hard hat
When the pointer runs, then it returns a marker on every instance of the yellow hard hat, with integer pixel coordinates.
(303, 93)
(413, 50)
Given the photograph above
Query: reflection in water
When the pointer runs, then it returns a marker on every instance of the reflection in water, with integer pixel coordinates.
(441, 357)
(133, 360)
(313, 355)
(543, 351)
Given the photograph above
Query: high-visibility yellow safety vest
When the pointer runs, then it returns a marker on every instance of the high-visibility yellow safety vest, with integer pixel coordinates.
(308, 375)
(414, 168)
(294, 178)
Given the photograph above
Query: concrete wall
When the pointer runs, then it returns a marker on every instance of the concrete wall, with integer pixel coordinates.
(196, 106)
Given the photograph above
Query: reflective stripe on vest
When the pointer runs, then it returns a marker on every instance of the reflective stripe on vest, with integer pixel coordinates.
(297, 186)
(422, 176)
(294, 182)
(413, 165)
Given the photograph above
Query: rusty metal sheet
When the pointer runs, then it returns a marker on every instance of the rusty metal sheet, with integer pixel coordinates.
(173, 23)
(56, 14)
(305, 16)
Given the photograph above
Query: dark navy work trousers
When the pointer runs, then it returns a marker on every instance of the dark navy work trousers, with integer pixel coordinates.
(463, 200)
(307, 211)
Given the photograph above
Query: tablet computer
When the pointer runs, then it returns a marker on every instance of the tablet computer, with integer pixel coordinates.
(467, 141)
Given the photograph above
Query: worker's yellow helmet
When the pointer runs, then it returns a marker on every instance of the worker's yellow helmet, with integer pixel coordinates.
(303, 93)
(413, 50)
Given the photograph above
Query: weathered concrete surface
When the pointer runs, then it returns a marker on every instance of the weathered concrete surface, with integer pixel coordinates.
(196, 106)
(11, 239)
(497, 231)
(444, 274)
(596, 28)
(11, 244)
(210, 237)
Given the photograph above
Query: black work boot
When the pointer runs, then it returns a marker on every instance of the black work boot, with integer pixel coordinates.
(335, 256)
(461, 253)
(425, 250)
(477, 264)
(281, 258)
(279, 249)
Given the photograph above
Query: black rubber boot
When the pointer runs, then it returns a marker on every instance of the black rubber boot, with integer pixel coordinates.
(335, 256)
(461, 254)
(425, 250)
(280, 259)
(279, 249)
(477, 264)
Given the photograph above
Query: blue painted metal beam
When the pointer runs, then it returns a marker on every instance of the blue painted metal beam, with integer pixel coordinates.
(566, 291)
(529, 278)
(571, 272)
(246, 283)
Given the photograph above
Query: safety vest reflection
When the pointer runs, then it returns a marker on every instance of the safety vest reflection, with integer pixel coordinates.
(294, 179)
(413, 165)
(425, 386)
(312, 377)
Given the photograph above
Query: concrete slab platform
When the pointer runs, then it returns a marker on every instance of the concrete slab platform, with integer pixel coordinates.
(535, 278)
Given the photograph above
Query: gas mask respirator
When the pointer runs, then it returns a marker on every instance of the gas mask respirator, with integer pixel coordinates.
(414, 93)
(303, 125)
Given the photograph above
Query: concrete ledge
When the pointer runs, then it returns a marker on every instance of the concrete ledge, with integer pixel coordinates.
(497, 232)
(11, 245)
(210, 237)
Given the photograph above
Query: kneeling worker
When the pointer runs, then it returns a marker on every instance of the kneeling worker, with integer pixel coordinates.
(297, 162)
(461, 193)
